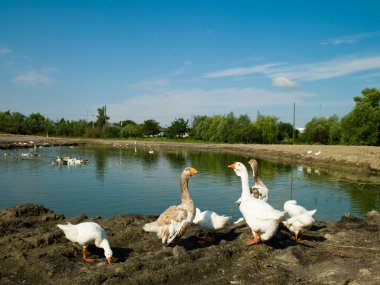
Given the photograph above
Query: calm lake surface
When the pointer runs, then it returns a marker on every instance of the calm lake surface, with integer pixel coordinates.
(131, 180)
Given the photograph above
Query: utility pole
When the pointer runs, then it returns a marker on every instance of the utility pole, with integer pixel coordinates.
(294, 121)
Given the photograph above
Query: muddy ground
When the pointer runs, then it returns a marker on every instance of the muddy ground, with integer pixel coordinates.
(34, 251)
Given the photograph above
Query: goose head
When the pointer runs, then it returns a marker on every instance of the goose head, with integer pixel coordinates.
(107, 250)
(238, 167)
(189, 171)
(255, 167)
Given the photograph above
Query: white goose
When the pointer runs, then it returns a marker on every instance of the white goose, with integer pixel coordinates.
(86, 233)
(210, 221)
(56, 161)
(258, 190)
(261, 217)
(298, 224)
(293, 209)
(174, 222)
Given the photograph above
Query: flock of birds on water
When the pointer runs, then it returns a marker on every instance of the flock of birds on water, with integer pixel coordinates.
(262, 219)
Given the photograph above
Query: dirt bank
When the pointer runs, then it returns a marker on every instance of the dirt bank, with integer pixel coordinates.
(34, 251)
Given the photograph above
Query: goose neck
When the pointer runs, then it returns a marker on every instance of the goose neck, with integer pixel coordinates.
(245, 185)
(185, 195)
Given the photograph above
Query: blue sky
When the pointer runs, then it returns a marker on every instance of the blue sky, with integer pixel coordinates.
(174, 59)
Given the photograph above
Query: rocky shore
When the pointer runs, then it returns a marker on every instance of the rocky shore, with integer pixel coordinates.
(33, 250)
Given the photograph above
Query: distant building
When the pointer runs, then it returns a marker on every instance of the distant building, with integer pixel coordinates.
(301, 130)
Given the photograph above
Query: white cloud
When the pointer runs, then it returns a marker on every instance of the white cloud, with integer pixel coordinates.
(306, 72)
(352, 39)
(336, 68)
(33, 78)
(171, 103)
(239, 71)
(283, 82)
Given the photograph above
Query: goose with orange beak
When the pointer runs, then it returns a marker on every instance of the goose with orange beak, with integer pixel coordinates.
(258, 190)
(174, 222)
(261, 217)
(86, 233)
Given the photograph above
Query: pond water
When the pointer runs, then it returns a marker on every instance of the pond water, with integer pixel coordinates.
(134, 180)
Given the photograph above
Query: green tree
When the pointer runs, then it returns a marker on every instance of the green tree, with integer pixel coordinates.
(5, 122)
(199, 126)
(18, 121)
(111, 131)
(61, 128)
(335, 130)
(101, 118)
(323, 130)
(268, 127)
(178, 128)
(37, 124)
(226, 128)
(362, 125)
(127, 123)
(78, 128)
(285, 132)
(131, 131)
(150, 128)
(317, 131)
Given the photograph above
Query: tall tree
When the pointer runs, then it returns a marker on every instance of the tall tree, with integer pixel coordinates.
(285, 132)
(317, 131)
(178, 128)
(268, 127)
(150, 127)
(36, 123)
(362, 125)
(102, 117)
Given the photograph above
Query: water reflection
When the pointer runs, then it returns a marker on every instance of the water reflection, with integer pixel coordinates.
(144, 180)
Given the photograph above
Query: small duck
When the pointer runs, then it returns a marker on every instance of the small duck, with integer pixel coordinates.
(174, 222)
(210, 222)
(84, 161)
(56, 161)
(293, 209)
(258, 190)
(86, 233)
(298, 224)
(261, 217)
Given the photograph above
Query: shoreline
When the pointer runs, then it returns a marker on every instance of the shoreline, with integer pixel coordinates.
(358, 162)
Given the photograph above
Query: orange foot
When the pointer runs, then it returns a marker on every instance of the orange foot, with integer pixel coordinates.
(254, 240)
(89, 260)
(297, 239)
(84, 253)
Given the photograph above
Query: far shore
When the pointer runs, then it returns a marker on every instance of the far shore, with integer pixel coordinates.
(356, 162)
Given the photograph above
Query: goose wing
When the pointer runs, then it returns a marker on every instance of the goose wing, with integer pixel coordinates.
(174, 222)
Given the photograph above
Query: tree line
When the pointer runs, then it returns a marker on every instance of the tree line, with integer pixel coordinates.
(361, 126)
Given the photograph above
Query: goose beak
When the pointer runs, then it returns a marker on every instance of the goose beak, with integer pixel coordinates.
(232, 165)
(109, 259)
(193, 171)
